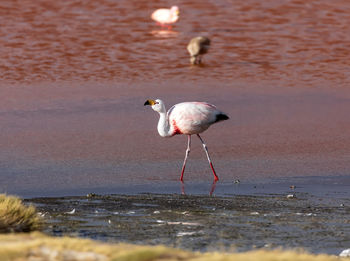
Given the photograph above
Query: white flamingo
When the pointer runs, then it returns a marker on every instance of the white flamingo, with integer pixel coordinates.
(166, 16)
(187, 118)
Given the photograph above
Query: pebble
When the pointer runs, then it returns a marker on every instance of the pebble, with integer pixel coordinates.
(91, 195)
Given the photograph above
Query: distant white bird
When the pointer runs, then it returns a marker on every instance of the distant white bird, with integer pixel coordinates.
(197, 47)
(70, 212)
(166, 17)
(187, 118)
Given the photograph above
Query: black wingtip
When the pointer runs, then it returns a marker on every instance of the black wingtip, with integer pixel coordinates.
(221, 117)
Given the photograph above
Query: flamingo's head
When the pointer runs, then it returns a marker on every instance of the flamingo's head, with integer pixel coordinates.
(157, 105)
(175, 10)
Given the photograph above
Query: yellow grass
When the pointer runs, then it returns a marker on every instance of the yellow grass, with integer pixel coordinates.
(15, 216)
(39, 247)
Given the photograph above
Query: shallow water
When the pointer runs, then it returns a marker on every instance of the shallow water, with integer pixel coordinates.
(87, 139)
(75, 74)
(239, 217)
(287, 42)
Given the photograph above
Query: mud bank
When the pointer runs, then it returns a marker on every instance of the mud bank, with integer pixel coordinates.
(204, 223)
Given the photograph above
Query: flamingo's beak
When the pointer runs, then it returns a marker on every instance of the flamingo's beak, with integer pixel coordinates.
(150, 102)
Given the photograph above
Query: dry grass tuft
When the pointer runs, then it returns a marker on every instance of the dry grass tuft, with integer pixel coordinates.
(15, 216)
(39, 247)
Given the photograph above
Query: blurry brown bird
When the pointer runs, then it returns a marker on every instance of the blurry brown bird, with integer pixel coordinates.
(197, 47)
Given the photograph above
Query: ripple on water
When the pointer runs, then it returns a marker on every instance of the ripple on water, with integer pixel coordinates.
(75, 40)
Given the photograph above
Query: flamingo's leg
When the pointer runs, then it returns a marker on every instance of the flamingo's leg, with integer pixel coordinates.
(216, 178)
(187, 153)
(212, 189)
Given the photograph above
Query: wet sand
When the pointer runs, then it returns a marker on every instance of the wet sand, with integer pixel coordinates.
(239, 217)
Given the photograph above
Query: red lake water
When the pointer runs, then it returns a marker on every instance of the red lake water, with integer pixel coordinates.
(75, 75)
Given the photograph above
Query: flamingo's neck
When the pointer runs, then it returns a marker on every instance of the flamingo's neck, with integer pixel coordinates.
(174, 17)
(164, 128)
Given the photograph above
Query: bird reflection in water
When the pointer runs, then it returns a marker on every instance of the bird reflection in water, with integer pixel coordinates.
(212, 188)
(165, 33)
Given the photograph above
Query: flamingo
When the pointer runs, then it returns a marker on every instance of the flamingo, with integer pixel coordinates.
(166, 16)
(197, 47)
(187, 118)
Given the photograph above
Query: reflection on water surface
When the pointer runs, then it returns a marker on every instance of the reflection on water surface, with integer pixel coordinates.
(296, 42)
